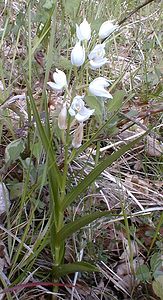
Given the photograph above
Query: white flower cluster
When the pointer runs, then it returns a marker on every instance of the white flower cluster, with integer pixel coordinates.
(97, 87)
(97, 56)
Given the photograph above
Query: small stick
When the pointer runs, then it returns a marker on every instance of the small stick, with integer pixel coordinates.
(134, 11)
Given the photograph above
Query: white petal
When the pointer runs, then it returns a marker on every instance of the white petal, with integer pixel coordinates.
(101, 92)
(60, 78)
(101, 81)
(98, 51)
(97, 87)
(72, 111)
(84, 114)
(106, 29)
(54, 86)
(77, 103)
(83, 31)
(78, 55)
(104, 93)
(95, 64)
(78, 33)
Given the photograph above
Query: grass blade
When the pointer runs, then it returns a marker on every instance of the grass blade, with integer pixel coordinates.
(74, 226)
(81, 266)
(84, 184)
(45, 141)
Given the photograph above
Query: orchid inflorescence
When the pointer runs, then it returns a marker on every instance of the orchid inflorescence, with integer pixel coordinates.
(76, 107)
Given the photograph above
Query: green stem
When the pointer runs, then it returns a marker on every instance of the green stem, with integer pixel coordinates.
(66, 161)
(59, 250)
(129, 241)
(29, 45)
(156, 233)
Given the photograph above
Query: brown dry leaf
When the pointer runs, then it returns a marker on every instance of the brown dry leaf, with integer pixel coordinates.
(17, 105)
(4, 257)
(1, 295)
(4, 263)
(83, 288)
(126, 253)
(145, 233)
(158, 184)
(153, 147)
(122, 269)
(137, 184)
(124, 272)
(128, 282)
(138, 165)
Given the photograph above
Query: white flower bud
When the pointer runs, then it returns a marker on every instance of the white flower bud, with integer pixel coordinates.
(60, 80)
(97, 87)
(106, 29)
(83, 31)
(78, 55)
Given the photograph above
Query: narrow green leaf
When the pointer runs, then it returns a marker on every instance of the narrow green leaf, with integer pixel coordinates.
(94, 136)
(91, 177)
(45, 141)
(81, 266)
(54, 174)
(74, 226)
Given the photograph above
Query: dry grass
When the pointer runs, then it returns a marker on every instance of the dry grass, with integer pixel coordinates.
(131, 189)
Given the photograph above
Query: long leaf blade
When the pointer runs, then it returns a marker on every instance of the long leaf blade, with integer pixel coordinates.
(74, 226)
(45, 141)
(81, 266)
(92, 176)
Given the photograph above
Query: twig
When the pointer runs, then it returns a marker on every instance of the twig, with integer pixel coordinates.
(141, 115)
(134, 11)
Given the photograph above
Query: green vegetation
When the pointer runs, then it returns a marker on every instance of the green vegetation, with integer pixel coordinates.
(83, 162)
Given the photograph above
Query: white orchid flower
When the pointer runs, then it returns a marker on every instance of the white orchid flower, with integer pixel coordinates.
(83, 31)
(78, 136)
(97, 87)
(62, 117)
(60, 80)
(96, 56)
(106, 29)
(78, 55)
(79, 111)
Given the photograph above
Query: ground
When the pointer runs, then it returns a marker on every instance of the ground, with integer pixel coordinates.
(88, 219)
